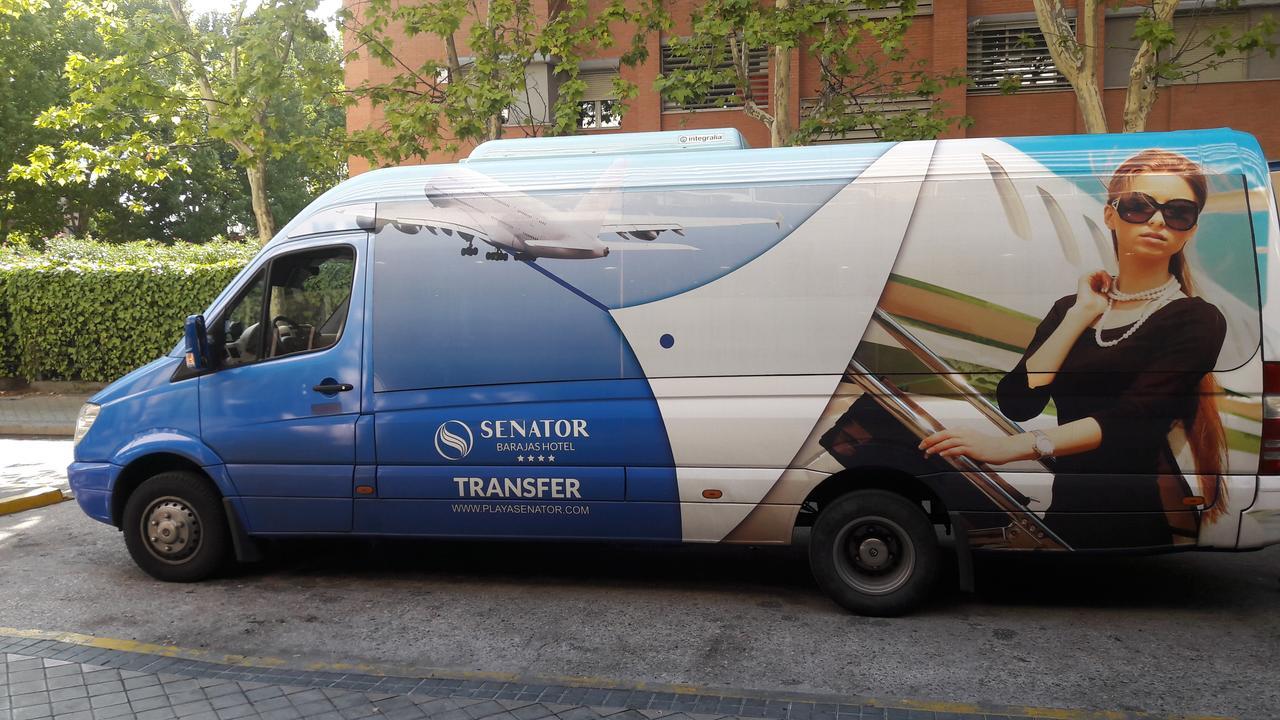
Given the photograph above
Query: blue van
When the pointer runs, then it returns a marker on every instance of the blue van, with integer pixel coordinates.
(1028, 344)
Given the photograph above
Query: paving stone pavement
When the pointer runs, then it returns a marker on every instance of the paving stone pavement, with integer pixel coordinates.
(51, 679)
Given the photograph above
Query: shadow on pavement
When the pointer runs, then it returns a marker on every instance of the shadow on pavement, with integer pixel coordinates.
(1217, 581)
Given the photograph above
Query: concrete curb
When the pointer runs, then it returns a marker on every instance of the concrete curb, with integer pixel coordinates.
(31, 499)
(37, 429)
(61, 387)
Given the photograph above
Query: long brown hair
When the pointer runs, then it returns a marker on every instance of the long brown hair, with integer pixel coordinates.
(1203, 427)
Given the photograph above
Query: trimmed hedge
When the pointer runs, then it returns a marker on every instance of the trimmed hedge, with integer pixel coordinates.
(86, 310)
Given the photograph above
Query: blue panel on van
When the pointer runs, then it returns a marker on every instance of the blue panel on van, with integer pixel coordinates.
(365, 441)
(321, 440)
(292, 480)
(608, 423)
(506, 519)
(296, 515)
(141, 405)
(539, 483)
(652, 484)
(429, 302)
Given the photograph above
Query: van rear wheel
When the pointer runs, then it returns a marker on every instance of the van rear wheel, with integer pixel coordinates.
(175, 527)
(874, 553)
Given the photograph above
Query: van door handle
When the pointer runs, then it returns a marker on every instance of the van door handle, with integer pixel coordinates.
(330, 388)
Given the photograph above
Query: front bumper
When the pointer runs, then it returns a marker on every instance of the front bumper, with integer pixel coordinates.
(92, 483)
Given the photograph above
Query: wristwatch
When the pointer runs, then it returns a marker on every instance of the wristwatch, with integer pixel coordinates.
(1043, 445)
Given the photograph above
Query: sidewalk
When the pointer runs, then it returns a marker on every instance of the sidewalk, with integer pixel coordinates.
(35, 448)
(33, 473)
(85, 678)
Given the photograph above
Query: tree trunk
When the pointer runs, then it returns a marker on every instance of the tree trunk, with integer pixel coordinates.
(780, 130)
(1078, 62)
(257, 171)
(1143, 87)
(6, 217)
(1089, 100)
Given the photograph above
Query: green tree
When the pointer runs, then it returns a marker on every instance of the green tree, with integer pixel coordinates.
(866, 66)
(34, 44)
(478, 87)
(1163, 53)
(162, 86)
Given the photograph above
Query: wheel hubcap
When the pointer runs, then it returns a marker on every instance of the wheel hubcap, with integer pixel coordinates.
(874, 555)
(171, 530)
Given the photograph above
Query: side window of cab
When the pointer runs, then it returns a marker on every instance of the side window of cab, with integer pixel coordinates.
(239, 331)
(298, 304)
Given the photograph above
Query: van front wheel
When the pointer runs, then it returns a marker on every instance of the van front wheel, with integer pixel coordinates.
(874, 552)
(175, 528)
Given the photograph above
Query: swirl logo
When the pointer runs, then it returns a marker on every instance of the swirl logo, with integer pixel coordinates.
(453, 440)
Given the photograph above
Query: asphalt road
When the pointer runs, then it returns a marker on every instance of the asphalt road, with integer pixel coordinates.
(1191, 633)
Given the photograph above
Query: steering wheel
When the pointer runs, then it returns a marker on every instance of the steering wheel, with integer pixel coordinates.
(281, 322)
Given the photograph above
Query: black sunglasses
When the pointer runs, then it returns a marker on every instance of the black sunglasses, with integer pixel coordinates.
(1137, 208)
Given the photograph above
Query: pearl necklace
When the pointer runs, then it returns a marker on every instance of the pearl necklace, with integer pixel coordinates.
(1156, 298)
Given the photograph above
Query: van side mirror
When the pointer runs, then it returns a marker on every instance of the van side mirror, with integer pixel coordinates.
(196, 342)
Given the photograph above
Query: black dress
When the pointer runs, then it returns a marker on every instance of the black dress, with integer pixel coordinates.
(1135, 390)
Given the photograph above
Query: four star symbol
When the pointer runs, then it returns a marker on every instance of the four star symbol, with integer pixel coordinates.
(540, 458)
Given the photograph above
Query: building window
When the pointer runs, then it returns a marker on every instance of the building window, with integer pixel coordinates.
(1191, 29)
(923, 7)
(721, 95)
(599, 115)
(1013, 55)
(888, 109)
(599, 108)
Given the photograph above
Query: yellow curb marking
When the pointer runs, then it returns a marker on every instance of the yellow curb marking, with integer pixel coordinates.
(135, 646)
(37, 497)
(256, 661)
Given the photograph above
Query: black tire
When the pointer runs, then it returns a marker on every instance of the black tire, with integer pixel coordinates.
(175, 527)
(874, 552)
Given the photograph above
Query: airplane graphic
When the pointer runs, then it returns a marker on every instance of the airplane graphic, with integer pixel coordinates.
(474, 207)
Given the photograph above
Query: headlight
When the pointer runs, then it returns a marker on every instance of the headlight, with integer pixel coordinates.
(84, 421)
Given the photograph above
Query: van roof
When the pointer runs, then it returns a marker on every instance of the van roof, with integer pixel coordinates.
(610, 144)
(647, 160)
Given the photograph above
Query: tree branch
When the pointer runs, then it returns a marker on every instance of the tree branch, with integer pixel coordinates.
(202, 76)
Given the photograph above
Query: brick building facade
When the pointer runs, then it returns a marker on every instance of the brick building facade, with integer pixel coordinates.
(986, 38)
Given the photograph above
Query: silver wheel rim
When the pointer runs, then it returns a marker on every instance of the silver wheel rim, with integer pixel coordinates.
(171, 530)
(874, 555)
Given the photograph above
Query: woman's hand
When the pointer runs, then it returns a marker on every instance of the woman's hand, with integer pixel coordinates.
(1091, 294)
(991, 449)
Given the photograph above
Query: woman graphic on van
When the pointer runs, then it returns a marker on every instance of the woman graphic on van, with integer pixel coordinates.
(1123, 359)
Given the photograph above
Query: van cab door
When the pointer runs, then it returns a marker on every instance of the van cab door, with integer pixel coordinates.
(282, 407)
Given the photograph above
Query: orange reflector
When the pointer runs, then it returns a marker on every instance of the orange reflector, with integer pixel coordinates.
(712, 494)
(1193, 501)
(364, 489)
(191, 360)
